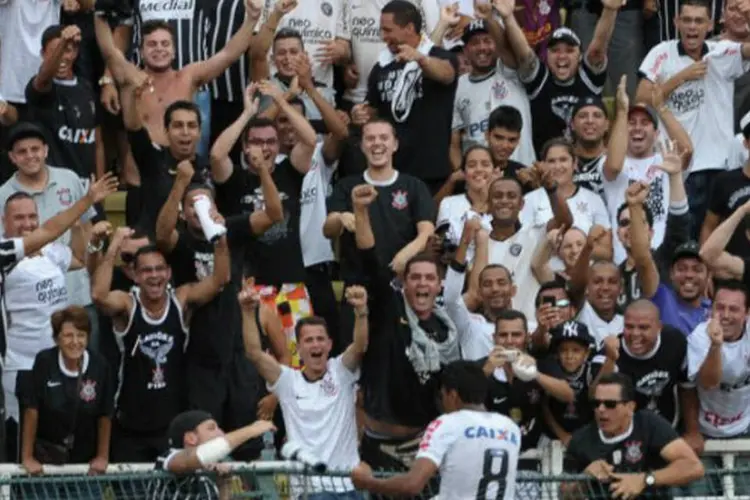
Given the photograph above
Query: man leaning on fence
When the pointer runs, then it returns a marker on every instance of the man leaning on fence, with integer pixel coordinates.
(630, 452)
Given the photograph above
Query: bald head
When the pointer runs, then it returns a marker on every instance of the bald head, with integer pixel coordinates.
(643, 307)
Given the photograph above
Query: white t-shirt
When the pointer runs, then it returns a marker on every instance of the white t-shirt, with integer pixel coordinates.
(456, 210)
(467, 444)
(598, 327)
(516, 253)
(22, 23)
(723, 410)
(317, 22)
(320, 416)
(639, 170)
(586, 206)
(477, 97)
(316, 187)
(703, 106)
(475, 333)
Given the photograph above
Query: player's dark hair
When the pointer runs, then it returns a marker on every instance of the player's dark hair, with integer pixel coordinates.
(51, 33)
(310, 321)
(147, 250)
(512, 315)
(471, 149)
(196, 185)
(556, 284)
(76, 315)
(506, 117)
(373, 121)
(404, 13)
(649, 215)
(420, 257)
(558, 142)
(18, 195)
(260, 122)
(732, 286)
(601, 263)
(155, 25)
(286, 34)
(627, 392)
(507, 179)
(467, 379)
(490, 267)
(696, 3)
(181, 105)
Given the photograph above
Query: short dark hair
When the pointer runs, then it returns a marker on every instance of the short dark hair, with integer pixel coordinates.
(558, 142)
(373, 121)
(196, 185)
(603, 262)
(490, 267)
(627, 392)
(310, 321)
(404, 13)
(18, 195)
(147, 250)
(514, 180)
(51, 33)
(512, 315)
(286, 33)
(470, 150)
(556, 284)
(733, 286)
(696, 3)
(155, 25)
(76, 315)
(506, 117)
(467, 379)
(181, 105)
(420, 257)
(649, 215)
(257, 122)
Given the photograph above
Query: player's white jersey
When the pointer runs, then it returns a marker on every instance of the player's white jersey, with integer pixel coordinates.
(477, 452)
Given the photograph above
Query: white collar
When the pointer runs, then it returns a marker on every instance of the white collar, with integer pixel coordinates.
(617, 439)
(649, 354)
(65, 370)
(387, 182)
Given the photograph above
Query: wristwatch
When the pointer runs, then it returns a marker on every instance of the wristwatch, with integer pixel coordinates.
(650, 480)
(106, 80)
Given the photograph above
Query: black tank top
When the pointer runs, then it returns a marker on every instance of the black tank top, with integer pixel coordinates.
(151, 387)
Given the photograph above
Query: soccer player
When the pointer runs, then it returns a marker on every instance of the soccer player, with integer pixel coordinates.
(476, 451)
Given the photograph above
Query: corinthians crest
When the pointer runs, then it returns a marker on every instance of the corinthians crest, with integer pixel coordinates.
(157, 346)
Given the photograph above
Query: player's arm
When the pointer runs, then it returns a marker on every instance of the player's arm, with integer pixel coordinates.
(202, 292)
(190, 460)
(713, 249)
(356, 296)
(648, 273)
(166, 223)
(113, 303)
(403, 485)
(267, 366)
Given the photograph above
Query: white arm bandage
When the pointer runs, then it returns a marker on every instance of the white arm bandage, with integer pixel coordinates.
(213, 451)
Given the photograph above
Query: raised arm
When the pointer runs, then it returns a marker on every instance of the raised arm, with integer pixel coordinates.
(264, 38)
(113, 303)
(202, 292)
(267, 366)
(540, 267)
(449, 19)
(434, 68)
(70, 36)
(709, 374)
(640, 247)
(675, 131)
(617, 147)
(362, 196)
(273, 211)
(528, 62)
(356, 296)
(301, 154)
(221, 163)
(596, 54)
(205, 71)
(8, 114)
(121, 69)
(166, 222)
(560, 210)
(483, 11)
(713, 251)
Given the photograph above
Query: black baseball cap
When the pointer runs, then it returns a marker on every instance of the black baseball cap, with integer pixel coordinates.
(643, 108)
(25, 130)
(474, 27)
(570, 330)
(589, 101)
(185, 422)
(564, 35)
(689, 249)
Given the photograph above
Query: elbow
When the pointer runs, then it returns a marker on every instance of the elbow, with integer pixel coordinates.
(275, 213)
(697, 471)
(98, 296)
(708, 254)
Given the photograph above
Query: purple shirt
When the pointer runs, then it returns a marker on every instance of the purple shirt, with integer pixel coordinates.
(674, 312)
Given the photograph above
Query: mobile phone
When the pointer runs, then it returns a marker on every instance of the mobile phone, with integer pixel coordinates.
(549, 300)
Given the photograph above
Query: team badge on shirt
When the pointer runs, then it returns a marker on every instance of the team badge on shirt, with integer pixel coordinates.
(515, 249)
(328, 386)
(326, 8)
(500, 90)
(65, 197)
(88, 391)
(633, 453)
(400, 200)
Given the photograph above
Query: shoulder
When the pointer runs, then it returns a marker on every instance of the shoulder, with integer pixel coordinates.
(583, 437)
(673, 336)
(65, 176)
(46, 357)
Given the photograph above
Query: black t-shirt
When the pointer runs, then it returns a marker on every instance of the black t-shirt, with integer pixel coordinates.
(185, 487)
(275, 257)
(424, 137)
(68, 115)
(156, 166)
(638, 451)
(552, 101)
(574, 415)
(53, 393)
(656, 377)
(631, 285)
(730, 191)
(588, 175)
(394, 215)
(216, 327)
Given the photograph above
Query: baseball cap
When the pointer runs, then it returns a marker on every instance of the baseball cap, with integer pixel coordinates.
(25, 130)
(689, 249)
(570, 330)
(474, 27)
(185, 422)
(645, 109)
(589, 101)
(564, 35)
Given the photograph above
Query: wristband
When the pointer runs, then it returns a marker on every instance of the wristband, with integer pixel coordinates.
(95, 248)
(213, 451)
(457, 266)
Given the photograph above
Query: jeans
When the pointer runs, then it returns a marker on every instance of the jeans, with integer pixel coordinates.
(348, 495)
(698, 187)
(203, 101)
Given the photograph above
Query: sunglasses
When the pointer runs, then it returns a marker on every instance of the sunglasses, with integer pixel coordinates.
(609, 404)
(127, 258)
(623, 222)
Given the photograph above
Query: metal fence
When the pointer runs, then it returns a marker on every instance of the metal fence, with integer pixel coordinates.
(285, 479)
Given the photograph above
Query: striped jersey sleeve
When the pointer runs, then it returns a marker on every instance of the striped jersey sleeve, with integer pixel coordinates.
(11, 251)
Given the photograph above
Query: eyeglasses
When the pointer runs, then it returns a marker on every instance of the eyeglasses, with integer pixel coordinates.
(609, 404)
(623, 222)
(263, 142)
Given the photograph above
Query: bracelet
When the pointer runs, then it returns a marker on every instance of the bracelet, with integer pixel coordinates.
(362, 314)
(95, 248)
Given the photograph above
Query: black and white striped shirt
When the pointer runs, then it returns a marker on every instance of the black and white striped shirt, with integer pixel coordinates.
(668, 10)
(187, 21)
(11, 251)
(225, 18)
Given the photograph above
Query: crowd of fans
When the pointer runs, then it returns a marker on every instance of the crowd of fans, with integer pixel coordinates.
(330, 201)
